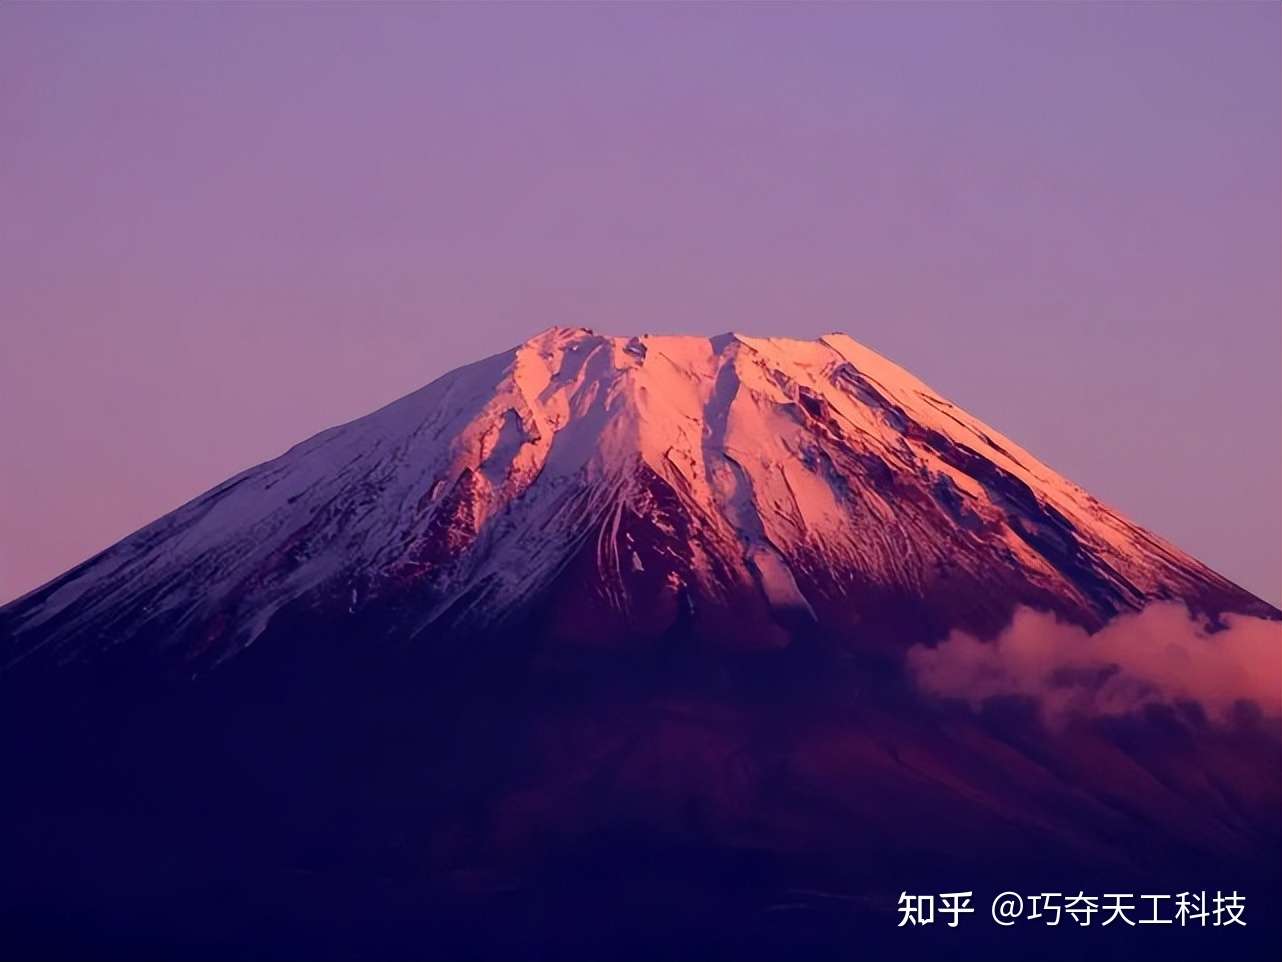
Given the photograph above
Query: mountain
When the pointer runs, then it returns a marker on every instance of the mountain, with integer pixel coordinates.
(758, 487)
(608, 646)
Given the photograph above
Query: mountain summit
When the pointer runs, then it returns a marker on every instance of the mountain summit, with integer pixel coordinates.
(648, 647)
(605, 489)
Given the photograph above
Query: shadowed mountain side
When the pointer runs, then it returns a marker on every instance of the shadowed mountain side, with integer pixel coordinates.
(558, 796)
(653, 647)
(753, 480)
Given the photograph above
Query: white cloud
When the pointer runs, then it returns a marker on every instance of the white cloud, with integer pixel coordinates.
(1162, 654)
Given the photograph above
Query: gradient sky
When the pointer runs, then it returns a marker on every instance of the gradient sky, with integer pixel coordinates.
(226, 227)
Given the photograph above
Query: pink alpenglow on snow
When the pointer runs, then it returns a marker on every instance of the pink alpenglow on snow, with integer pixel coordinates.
(229, 226)
(762, 487)
(733, 622)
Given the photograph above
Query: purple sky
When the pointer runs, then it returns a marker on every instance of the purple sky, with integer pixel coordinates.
(226, 227)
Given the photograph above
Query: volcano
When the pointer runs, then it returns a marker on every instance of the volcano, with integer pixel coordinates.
(599, 645)
(762, 487)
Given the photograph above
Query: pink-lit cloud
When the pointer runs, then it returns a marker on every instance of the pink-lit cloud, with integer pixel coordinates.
(1161, 655)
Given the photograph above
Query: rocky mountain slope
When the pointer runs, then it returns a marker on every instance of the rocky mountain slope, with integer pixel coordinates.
(755, 486)
(604, 647)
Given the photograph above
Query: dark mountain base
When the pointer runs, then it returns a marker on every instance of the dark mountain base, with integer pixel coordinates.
(482, 798)
(624, 902)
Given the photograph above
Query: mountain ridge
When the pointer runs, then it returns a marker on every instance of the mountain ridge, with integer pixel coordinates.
(688, 647)
(762, 482)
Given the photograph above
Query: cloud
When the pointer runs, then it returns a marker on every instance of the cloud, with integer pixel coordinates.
(1162, 654)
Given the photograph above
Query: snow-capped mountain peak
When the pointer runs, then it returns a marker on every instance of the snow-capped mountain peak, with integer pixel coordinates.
(755, 487)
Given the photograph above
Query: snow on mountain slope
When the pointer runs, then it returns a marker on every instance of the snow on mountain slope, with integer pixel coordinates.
(756, 487)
